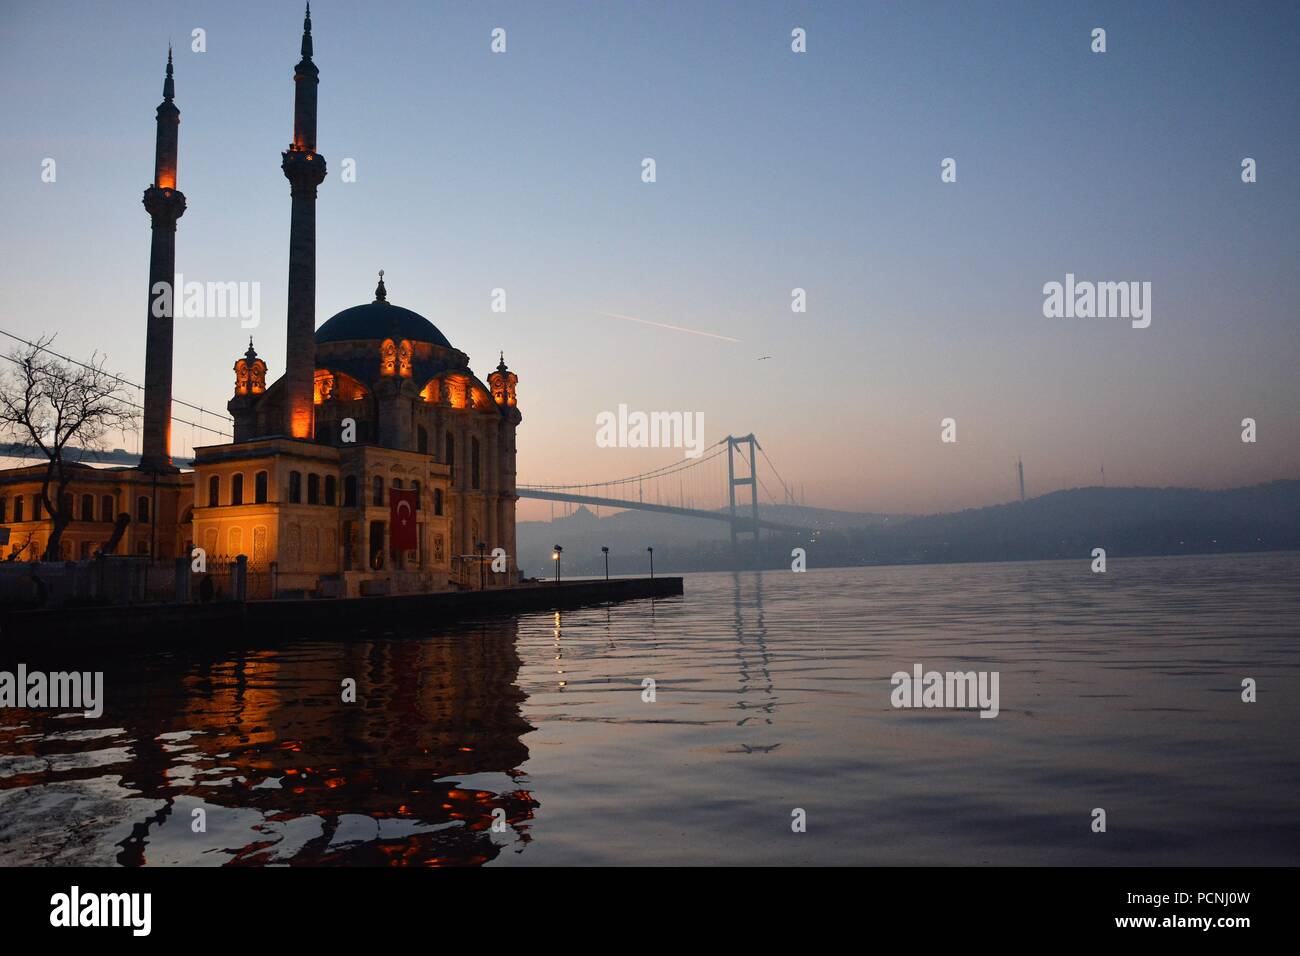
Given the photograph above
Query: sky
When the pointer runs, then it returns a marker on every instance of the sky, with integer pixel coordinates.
(775, 170)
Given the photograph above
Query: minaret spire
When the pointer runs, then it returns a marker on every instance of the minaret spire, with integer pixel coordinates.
(165, 204)
(305, 170)
(306, 34)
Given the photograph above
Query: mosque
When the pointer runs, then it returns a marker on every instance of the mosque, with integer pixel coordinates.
(377, 463)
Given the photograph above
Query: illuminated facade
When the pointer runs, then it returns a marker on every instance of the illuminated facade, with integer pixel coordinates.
(375, 400)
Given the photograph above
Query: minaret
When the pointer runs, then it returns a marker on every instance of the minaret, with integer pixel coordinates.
(165, 204)
(305, 170)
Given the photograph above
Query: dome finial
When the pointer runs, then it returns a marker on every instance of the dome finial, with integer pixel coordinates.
(381, 294)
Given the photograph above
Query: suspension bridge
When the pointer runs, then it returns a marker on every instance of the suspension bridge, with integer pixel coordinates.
(702, 488)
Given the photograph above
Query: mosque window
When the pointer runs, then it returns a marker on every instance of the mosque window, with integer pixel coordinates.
(331, 490)
(377, 488)
(214, 491)
(295, 487)
(421, 440)
(259, 488)
(106, 508)
(416, 485)
(4, 508)
(451, 452)
(237, 488)
(473, 463)
(437, 501)
(87, 507)
(18, 508)
(142, 509)
(65, 506)
(350, 491)
(313, 489)
(36, 507)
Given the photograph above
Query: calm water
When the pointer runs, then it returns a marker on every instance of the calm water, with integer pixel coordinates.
(1119, 691)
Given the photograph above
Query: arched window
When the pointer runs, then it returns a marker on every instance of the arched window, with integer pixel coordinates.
(313, 489)
(142, 509)
(350, 491)
(377, 489)
(214, 491)
(18, 508)
(106, 508)
(416, 486)
(295, 487)
(437, 501)
(87, 507)
(473, 463)
(451, 452)
(259, 488)
(237, 488)
(36, 507)
(397, 483)
(331, 490)
(421, 440)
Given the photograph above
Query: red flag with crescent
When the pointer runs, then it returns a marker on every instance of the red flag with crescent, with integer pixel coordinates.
(401, 516)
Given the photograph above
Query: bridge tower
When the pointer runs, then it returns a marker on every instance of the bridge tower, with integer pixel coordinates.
(740, 524)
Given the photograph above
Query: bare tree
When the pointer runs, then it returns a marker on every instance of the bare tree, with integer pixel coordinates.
(49, 407)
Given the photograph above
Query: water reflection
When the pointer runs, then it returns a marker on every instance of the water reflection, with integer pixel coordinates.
(416, 771)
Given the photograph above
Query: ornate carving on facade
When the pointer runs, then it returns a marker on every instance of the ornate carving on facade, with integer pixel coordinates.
(250, 373)
(503, 382)
(325, 383)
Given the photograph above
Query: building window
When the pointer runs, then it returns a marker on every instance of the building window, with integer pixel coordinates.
(18, 508)
(421, 440)
(4, 508)
(87, 507)
(350, 491)
(237, 488)
(331, 490)
(377, 545)
(259, 488)
(106, 508)
(415, 485)
(473, 463)
(65, 506)
(397, 482)
(313, 489)
(437, 501)
(36, 507)
(214, 491)
(451, 452)
(295, 487)
(377, 485)
(142, 509)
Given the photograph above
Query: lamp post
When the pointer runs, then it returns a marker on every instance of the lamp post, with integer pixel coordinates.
(652, 561)
(556, 555)
(606, 551)
(481, 548)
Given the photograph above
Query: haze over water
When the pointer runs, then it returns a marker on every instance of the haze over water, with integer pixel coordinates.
(1119, 690)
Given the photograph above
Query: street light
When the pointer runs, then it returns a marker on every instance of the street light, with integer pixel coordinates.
(481, 546)
(652, 561)
(556, 555)
(606, 550)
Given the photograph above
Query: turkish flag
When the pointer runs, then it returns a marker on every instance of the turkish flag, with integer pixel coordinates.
(401, 517)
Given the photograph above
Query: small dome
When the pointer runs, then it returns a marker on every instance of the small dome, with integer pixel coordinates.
(379, 320)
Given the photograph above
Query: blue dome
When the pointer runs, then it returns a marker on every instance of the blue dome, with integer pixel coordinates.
(378, 321)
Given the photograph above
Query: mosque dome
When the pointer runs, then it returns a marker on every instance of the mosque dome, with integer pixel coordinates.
(379, 320)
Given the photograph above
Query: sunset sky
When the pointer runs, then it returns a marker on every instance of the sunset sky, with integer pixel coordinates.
(775, 170)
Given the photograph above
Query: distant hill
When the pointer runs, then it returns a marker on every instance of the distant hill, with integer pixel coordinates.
(1063, 524)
